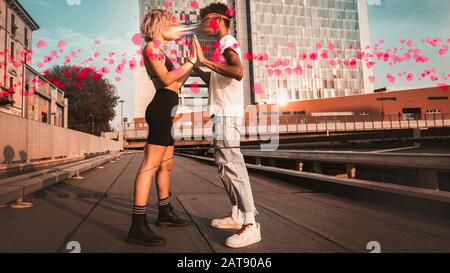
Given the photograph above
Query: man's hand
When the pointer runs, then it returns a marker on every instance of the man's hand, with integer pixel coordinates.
(199, 50)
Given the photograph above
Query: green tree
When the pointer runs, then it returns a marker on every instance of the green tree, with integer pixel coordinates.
(90, 96)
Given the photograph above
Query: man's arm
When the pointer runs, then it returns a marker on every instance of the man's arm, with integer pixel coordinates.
(203, 75)
(233, 67)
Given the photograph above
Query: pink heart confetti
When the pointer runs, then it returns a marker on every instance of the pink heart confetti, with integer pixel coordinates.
(443, 50)
(104, 70)
(41, 44)
(257, 88)
(136, 39)
(230, 12)
(194, 5)
(194, 88)
(443, 86)
(248, 56)
(410, 77)
(390, 78)
(214, 24)
(298, 70)
(61, 44)
(313, 56)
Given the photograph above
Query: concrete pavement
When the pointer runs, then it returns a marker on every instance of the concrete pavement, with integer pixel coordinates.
(96, 213)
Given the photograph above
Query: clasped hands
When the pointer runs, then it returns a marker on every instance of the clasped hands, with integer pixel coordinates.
(197, 55)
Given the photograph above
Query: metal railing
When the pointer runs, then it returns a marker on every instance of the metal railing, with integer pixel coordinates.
(295, 125)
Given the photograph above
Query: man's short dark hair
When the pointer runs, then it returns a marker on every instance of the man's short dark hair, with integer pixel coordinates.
(219, 8)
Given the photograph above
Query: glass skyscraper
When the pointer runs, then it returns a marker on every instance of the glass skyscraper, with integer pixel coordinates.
(296, 45)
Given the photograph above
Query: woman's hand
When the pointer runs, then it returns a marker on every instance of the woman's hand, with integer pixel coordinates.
(198, 49)
(192, 57)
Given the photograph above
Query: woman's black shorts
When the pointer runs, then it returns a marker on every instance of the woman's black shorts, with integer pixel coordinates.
(159, 116)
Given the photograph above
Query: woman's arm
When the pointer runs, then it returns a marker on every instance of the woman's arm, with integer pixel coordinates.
(168, 78)
(183, 80)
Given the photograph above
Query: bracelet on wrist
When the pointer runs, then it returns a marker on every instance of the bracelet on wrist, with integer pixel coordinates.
(190, 62)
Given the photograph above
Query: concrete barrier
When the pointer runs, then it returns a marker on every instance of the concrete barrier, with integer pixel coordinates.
(406, 191)
(23, 140)
(16, 188)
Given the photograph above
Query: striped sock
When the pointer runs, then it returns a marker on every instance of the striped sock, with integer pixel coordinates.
(139, 210)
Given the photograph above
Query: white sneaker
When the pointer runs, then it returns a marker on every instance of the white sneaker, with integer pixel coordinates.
(248, 235)
(229, 222)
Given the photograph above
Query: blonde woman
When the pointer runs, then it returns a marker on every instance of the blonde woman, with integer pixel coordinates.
(158, 27)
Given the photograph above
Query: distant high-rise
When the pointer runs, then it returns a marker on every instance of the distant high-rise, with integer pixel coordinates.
(286, 30)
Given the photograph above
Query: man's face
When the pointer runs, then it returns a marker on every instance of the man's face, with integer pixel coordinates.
(211, 24)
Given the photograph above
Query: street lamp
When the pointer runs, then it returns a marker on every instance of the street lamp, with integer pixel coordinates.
(121, 113)
(92, 123)
(121, 119)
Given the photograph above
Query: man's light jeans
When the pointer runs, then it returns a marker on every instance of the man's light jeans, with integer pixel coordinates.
(232, 169)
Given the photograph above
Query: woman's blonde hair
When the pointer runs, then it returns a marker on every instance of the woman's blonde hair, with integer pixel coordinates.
(154, 22)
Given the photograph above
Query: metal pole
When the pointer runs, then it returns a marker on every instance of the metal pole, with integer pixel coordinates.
(390, 120)
(93, 125)
(121, 119)
(364, 122)
(345, 124)
(121, 113)
(417, 119)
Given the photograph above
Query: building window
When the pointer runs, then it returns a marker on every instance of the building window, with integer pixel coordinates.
(300, 113)
(13, 25)
(44, 117)
(11, 85)
(13, 50)
(437, 98)
(433, 111)
(364, 113)
(26, 37)
(386, 99)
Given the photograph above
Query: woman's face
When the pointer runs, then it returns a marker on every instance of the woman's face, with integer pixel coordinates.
(172, 30)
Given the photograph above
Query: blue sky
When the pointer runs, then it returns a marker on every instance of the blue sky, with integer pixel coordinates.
(393, 20)
(114, 22)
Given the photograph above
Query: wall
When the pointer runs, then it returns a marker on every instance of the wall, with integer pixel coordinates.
(28, 140)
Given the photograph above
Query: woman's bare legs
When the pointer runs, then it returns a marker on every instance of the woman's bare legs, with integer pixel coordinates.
(163, 174)
(140, 232)
(166, 214)
(150, 165)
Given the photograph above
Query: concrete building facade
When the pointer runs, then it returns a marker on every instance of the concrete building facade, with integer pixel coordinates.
(24, 91)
